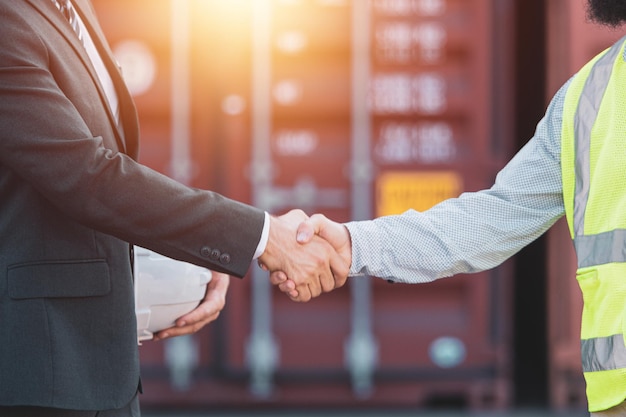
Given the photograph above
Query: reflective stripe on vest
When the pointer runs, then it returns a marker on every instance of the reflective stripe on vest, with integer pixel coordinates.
(601, 248)
(603, 353)
(584, 119)
(592, 163)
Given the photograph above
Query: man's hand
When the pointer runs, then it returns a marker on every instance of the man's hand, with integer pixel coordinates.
(208, 310)
(312, 268)
(334, 233)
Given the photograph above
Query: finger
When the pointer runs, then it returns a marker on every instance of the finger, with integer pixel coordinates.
(200, 314)
(287, 286)
(184, 330)
(213, 302)
(339, 269)
(314, 225)
(304, 293)
(306, 231)
(314, 287)
(295, 217)
(208, 311)
(326, 281)
(278, 277)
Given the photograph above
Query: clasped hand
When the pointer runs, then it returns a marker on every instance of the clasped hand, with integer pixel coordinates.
(307, 256)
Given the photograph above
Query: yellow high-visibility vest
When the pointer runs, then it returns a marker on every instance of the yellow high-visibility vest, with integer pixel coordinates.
(593, 163)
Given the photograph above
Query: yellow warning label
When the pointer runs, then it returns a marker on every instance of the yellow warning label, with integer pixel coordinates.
(399, 191)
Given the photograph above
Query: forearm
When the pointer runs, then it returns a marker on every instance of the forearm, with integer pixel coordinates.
(478, 230)
(472, 233)
(444, 241)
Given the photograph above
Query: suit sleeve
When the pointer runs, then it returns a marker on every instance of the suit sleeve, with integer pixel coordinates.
(55, 139)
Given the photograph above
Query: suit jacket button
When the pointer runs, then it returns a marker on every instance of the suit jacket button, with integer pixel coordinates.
(225, 258)
(215, 254)
(205, 251)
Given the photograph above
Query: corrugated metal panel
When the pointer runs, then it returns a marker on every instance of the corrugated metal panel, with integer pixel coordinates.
(336, 103)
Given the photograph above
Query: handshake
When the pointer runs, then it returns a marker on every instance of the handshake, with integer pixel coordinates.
(306, 256)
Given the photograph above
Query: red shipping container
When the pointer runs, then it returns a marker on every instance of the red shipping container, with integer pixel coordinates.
(445, 342)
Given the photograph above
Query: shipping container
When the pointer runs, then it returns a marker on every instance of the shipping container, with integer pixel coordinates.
(354, 109)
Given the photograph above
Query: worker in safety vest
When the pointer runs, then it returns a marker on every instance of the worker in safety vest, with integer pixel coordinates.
(574, 165)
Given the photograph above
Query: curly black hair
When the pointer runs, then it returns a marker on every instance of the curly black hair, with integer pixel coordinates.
(607, 12)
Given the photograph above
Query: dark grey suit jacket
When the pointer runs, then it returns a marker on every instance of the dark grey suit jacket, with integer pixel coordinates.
(71, 198)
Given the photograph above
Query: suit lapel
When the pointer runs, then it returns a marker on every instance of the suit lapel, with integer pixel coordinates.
(51, 13)
(128, 114)
(126, 138)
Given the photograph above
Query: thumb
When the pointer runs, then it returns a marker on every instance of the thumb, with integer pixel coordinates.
(310, 227)
(305, 232)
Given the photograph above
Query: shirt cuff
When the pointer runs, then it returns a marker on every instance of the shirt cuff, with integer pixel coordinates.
(265, 234)
(364, 236)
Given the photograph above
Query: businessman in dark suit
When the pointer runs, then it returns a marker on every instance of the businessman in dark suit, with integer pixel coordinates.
(72, 198)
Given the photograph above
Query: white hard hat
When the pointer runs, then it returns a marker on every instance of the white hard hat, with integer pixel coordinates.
(165, 289)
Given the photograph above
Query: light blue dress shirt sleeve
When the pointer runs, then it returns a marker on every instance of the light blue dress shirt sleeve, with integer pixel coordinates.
(476, 231)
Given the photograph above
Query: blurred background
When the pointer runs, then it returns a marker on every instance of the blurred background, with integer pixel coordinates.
(356, 109)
